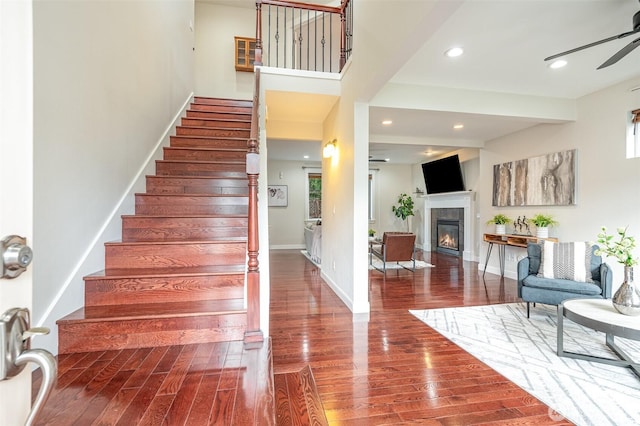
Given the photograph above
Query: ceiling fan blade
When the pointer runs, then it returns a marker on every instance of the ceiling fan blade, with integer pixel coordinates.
(595, 43)
(621, 53)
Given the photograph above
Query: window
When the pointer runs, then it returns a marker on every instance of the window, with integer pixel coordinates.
(313, 194)
(245, 53)
(633, 134)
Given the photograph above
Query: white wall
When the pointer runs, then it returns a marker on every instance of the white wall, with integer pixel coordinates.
(286, 223)
(109, 78)
(391, 180)
(215, 72)
(607, 182)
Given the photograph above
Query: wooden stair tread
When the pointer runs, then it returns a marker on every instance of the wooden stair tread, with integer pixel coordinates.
(242, 178)
(194, 194)
(188, 216)
(231, 120)
(155, 310)
(214, 128)
(210, 100)
(239, 163)
(204, 148)
(231, 240)
(189, 271)
(209, 138)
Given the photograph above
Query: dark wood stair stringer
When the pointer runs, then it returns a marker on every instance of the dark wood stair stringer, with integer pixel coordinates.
(178, 275)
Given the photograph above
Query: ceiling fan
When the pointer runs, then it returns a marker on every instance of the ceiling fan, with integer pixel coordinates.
(618, 55)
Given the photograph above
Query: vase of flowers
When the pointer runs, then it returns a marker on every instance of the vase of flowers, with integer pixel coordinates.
(626, 299)
(500, 221)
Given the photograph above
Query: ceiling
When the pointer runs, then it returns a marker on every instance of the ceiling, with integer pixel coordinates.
(505, 43)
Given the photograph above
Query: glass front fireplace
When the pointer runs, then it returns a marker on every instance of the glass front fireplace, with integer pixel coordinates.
(448, 237)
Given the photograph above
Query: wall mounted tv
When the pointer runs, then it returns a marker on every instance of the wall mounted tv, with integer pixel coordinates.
(443, 175)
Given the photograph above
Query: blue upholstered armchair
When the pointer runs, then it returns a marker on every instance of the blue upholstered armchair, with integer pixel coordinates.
(552, 291)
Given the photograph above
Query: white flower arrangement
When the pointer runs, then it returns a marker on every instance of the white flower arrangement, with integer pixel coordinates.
(622, 249)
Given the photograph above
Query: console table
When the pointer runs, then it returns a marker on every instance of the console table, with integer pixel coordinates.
(504, 240)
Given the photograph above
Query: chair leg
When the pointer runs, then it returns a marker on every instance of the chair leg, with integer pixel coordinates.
(528, 309)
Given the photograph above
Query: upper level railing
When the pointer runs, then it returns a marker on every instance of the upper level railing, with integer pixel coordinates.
(253, 333)
(303, 36)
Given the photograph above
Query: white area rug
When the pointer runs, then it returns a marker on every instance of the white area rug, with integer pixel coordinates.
(524, 351)
(390, 265)
(393, 265)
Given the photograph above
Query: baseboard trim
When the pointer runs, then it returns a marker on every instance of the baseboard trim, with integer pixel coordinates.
(287, 247)
(97, 239)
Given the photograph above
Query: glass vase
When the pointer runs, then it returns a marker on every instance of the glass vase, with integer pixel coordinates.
(627, 299)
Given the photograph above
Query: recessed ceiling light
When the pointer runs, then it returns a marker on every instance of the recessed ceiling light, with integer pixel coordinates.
(387, 122)
(458, 126)
(558, 64)
(454, 52)
(305, 157)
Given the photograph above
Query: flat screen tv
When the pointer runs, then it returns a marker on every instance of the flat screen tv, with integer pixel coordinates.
(443, 175)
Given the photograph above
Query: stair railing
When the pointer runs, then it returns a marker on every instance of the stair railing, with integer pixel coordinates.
(253, 333)
(303, 36)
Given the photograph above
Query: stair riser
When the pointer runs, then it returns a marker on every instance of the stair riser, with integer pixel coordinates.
(191, 210)
(219, 115)
(219, 132)
(207, 142)
(176, 229)
(123, 291)
(131, 334)
(191, 234)
(200, 169)
(203, 155)
(222, 101)
(143, 256)
(201, 122)
(220, 108)
(152, 204)
(186, 185)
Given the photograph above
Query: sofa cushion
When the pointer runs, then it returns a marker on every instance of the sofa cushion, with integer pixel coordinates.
(590, 289)
(569, 261)
(534, 251)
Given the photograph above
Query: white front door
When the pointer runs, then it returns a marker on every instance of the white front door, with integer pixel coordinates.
(16, 176)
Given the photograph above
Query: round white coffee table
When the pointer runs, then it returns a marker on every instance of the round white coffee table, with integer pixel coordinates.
(600, 315)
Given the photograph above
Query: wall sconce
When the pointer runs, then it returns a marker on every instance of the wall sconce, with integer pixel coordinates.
(329, 149)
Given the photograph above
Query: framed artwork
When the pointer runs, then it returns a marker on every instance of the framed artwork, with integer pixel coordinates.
(546, 180)
(278, 195)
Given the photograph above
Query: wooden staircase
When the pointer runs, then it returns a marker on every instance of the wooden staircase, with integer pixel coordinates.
(178, 275)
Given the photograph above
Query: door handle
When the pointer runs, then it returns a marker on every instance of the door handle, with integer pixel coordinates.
(15, 256)
(16, 353)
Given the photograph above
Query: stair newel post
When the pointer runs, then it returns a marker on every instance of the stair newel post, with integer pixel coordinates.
(258, 52)
(253, 333)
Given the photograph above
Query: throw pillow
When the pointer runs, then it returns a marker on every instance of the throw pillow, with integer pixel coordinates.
(567, 261)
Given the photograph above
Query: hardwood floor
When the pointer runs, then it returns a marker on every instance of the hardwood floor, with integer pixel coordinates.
(388, 368)
(391, 368)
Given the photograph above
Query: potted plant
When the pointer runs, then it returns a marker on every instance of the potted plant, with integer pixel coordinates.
(372, 232)
(404, 209)
(542, 222)
(501, 222)
(626, 299)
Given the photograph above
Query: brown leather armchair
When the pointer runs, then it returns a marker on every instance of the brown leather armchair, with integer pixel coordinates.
(396, 247)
